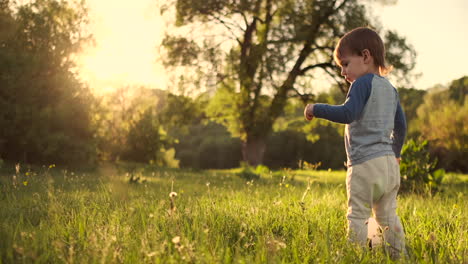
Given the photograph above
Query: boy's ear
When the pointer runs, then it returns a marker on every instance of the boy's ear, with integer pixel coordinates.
(366, 55)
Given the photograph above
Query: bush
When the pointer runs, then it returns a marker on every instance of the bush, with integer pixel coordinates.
(418, 171)
(249, 173)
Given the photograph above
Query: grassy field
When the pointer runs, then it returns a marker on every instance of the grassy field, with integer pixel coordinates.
(55, 216)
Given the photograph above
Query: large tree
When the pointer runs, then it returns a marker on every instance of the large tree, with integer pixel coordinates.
(45, 110)
(259, 53)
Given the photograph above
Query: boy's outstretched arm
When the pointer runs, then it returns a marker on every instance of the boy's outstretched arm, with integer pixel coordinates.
(399, 131)
(346, 113)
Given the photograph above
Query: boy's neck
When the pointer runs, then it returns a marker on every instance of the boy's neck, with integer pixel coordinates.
(374, 70)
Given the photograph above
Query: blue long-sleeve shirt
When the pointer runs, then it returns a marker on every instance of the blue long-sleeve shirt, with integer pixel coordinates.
(353, 110)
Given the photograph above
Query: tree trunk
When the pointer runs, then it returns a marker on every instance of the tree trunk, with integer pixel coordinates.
(253, 150)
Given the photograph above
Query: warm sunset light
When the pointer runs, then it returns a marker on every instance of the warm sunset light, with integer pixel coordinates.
(233, 131)
(437, 30)
(127, 35)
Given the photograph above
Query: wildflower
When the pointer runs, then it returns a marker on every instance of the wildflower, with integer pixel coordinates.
(176, 240)
(172, 196)
(51, 166)
(25, 183)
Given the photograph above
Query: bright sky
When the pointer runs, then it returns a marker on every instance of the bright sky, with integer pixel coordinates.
(127, 34)
(438, 30)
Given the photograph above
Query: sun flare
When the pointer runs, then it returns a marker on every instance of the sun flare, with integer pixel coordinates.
(125, 51)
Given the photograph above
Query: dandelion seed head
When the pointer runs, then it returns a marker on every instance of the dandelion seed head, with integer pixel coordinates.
(281, 245)
(176, 240)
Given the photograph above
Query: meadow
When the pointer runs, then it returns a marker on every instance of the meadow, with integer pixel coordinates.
(150, 215)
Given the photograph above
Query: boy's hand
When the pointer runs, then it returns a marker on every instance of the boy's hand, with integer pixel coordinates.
(309, 112)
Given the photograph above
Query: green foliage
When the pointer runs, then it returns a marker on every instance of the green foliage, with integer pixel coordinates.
(208, 146)
(266, 58)
(418, 170)
(400, 55)
(180, 51)
(46, 110)
(139, 124)
(458, 90)
(442, 120)
(251, 174)
(145, 140)
(295, 140)
(222, 110)
(262, 170)
(410, 100)
(248, 172)
(177, 113)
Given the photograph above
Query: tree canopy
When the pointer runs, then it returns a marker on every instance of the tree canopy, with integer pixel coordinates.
(45, 115)
(257, 54)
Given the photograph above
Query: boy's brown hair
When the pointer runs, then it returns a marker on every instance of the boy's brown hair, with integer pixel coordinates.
(359, 39)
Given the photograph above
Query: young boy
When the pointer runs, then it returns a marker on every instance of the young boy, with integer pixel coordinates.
(374, 134)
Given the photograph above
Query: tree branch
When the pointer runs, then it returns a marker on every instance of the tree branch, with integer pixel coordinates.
(319, 65)
(340, 84)
(305, 98)
(228, 25)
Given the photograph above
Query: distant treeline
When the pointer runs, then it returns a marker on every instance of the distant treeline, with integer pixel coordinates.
(153, 126)
(49, 117)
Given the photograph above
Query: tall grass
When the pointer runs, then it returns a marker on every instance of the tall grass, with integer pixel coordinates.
(56, 216)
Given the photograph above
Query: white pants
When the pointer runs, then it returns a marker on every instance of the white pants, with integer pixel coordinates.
(373, 185)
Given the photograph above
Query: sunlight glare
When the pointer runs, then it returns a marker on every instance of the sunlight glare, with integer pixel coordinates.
(126, 36)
